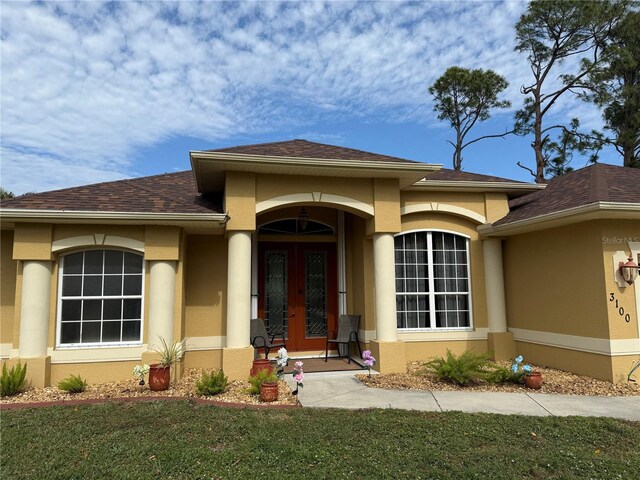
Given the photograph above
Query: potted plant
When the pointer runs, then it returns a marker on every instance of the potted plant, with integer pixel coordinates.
(160, 373)
(264, 383)
(533, 380)
(269, 388)
(524, 372)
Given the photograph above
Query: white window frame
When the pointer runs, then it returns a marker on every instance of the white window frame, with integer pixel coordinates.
(432, 293)
(70, 346)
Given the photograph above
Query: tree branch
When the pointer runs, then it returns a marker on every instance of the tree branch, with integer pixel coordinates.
(533, 174)
(499, 135)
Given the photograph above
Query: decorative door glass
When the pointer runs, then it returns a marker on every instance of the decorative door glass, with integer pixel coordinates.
(315, 281)
(276, 293)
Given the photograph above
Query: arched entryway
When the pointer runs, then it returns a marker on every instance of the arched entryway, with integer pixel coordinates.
(299, 275)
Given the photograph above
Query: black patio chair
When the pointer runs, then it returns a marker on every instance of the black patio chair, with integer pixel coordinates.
(347, 333)
(261, 339)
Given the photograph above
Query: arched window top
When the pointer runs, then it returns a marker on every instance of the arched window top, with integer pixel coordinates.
(433, 288)
(292, 226)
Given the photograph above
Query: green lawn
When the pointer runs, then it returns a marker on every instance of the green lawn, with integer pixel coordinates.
(182, 440)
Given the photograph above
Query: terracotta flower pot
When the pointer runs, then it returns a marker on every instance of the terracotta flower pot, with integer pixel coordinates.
(159, 377)
(269, 392)
(533, 380)
(261, 364)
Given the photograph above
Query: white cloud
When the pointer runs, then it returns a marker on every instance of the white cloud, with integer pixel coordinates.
(84, 85)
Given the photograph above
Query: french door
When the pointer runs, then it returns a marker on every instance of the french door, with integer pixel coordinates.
(298, 292)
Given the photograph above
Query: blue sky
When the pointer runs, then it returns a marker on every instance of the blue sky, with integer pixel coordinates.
(95, 91)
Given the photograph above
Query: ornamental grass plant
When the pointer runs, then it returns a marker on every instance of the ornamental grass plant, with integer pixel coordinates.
(12, 381)
(256, 381)
(212, 383)
(73, 384)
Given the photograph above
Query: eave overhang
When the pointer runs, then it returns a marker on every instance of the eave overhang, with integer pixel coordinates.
(11, 216)
(209, 168)
(513, 189)
(583, 213)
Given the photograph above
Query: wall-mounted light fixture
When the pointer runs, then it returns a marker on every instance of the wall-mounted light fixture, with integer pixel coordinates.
(628, 271)
(303, 219)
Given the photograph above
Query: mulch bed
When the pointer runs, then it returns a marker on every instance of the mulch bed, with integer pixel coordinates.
(554, 381)
(235, 394)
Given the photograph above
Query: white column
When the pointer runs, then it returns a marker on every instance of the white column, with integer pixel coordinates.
(342, 273)
(162, 297)
(34, 310)
(254, 275)
(385, 285)
(494, 284)
(239, 289)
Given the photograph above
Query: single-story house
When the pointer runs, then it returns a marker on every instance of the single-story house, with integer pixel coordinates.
(298, 233)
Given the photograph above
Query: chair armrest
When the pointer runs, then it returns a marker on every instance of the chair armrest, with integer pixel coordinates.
(255, 340)
(281, 335)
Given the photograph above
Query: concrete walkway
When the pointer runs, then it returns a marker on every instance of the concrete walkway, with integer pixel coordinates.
(343, 390)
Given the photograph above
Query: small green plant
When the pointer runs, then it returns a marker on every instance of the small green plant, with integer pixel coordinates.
(169, 354)
(462, 370)
(12, 381)
(256, 381)
(212, 383)
(73, 384)
(502, 375)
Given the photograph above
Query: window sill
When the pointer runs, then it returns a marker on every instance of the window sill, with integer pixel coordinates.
(442, 335)
(97, 353)
(98, 346)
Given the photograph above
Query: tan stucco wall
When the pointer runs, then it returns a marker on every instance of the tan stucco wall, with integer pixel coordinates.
(94, 372)
(614, 236)
(205, 286)
(554, 281)
(32, 241)
(582, 363)
(471, 201)
(272, 186)
(420, 351)
(386, 202)
(7, 286)
(359, 272)
(455, 224)
(67, 231)
(240, 200)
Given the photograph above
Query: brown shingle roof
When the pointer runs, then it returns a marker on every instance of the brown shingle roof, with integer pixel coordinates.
(306, 149)
(166, 193)
(596, 183)
(445, 174)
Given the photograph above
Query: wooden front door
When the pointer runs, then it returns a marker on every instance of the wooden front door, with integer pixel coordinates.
(298, 292)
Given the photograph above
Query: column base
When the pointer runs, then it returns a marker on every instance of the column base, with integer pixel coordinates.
(236, 362)
(390, 356)
(38, 370)
(502, 345)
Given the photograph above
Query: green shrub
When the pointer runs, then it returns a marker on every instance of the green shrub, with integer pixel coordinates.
(212, 383)
(466, 368)
(256, 381)
(12, 381)
(73, 384)
(503, 375)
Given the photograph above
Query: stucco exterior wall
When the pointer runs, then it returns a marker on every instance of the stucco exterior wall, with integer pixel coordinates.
(558, 285)
(205, 288)
(554, 281)
(7, 292)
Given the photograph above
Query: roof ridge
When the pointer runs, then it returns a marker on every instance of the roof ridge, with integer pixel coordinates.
(129, 181)
(598, 188)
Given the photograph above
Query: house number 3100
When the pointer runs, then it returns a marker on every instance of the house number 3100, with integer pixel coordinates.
(627, 317)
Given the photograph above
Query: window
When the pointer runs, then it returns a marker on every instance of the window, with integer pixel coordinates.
(100, 299)
(432, 280)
